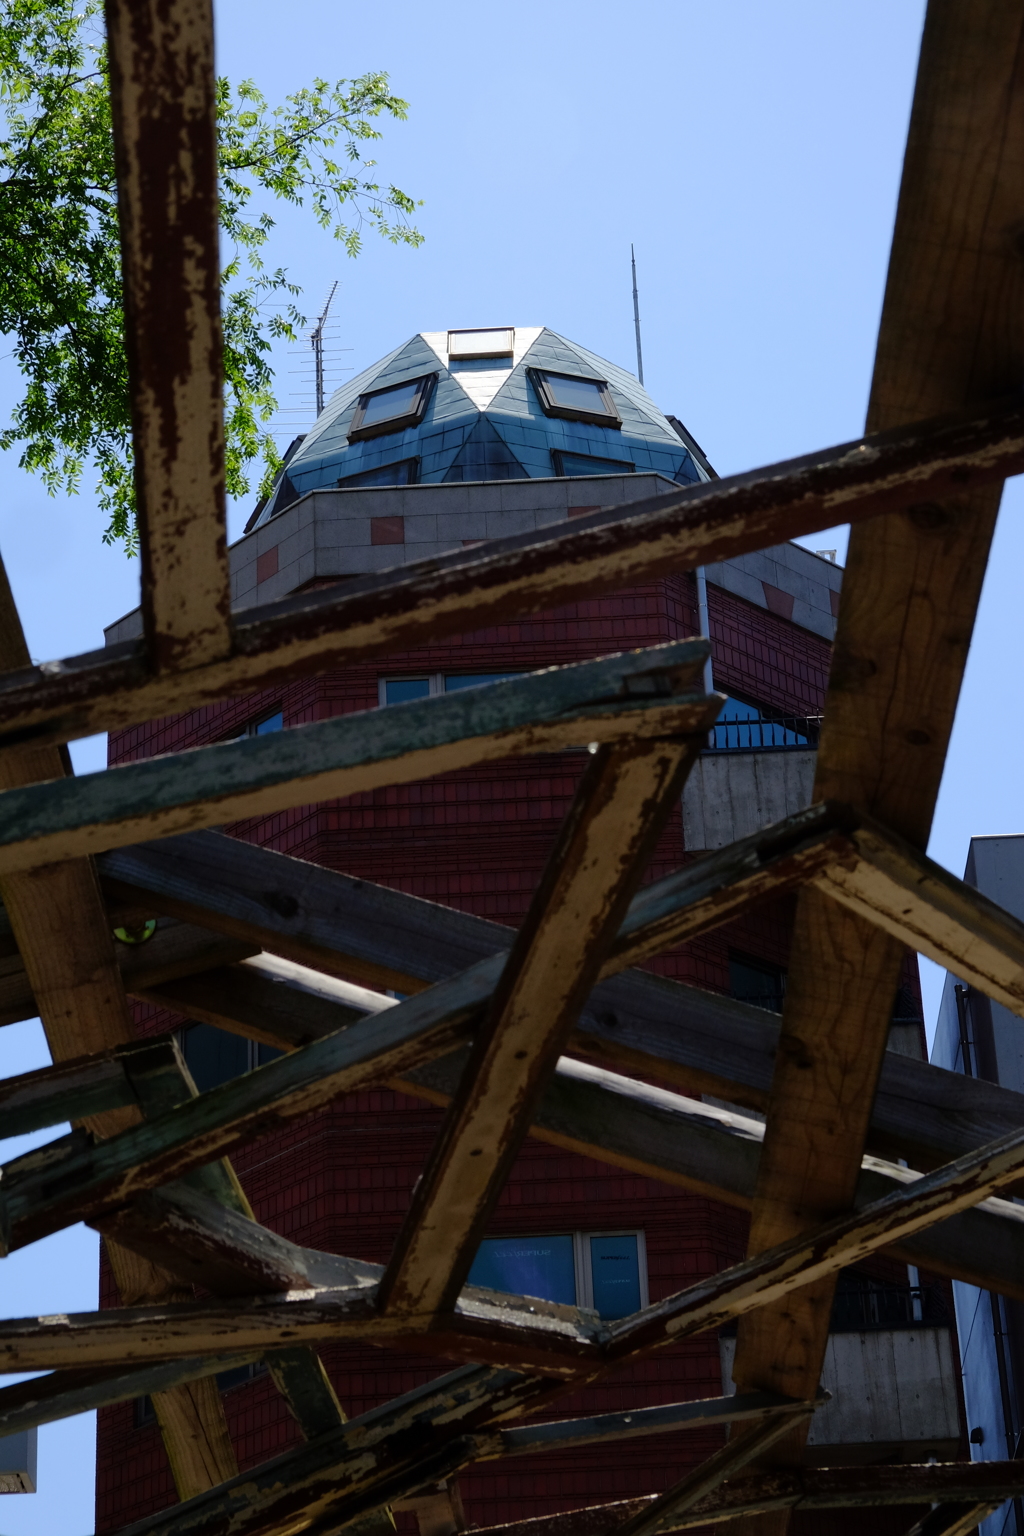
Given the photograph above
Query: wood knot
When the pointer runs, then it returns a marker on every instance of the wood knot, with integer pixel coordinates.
(930, 517)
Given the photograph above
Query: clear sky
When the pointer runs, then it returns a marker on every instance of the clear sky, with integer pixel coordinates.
(751, 152)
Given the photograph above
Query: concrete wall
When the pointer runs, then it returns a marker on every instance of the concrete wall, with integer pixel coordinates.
(893, 1392)
(733, 794)
(334, 533)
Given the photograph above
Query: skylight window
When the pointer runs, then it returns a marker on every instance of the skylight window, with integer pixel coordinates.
(575, 398)
(392, 409)
(494, 341)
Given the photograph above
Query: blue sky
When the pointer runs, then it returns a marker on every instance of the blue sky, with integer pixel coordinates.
(752, 153)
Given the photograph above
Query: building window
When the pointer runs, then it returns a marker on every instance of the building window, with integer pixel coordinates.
(492, 341)
(399, 690)
(402, 472)
(746, 727)
(573, 464)
(757, 981)
(575, 398)
(603, 1270)
(213, 1056)
(392, 409)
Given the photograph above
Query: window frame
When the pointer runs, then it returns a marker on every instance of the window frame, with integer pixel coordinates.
(345, 482)
(582, 1266)
(615, 466)
(483, 330)
(549, 405)
(434, 680)
(410, 418)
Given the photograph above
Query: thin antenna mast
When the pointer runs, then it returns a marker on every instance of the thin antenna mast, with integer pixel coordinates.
(636, 320)
(317, 343)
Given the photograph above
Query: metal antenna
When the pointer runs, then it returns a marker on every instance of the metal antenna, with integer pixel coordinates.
(317, 342)
(636, 321)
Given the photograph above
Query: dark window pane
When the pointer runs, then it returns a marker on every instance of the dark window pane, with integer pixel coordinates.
(398, 401)
(586, 464)
(398, 690)
(757, 982)
(615, 1271)
(402, 473)
(271, 723)
(265, 1053)
(213, 1056)
(234, 1378)
(475, 680)
(527, 1266)
(576, 394)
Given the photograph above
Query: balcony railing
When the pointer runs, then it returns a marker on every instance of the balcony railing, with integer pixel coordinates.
(761, 735)
(861, 1304)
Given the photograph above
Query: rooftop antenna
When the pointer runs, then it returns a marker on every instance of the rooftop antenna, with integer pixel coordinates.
(317, 343)
(636, 320)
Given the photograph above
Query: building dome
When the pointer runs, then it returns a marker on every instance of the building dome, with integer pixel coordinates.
(498, 403)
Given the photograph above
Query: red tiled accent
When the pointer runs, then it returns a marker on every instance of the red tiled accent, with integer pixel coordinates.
(266, 565)
(581, 511)
(470, 543)
(833, 598)
(778, 601)
(387, 530)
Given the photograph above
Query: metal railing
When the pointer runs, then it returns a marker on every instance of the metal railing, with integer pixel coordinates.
(863, 1304)
(780, 732)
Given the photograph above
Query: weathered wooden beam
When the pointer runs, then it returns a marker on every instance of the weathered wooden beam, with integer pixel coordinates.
(636, 696)
(715, 1153)
(897, 888)
(667, 1418)
(43, 1191)
(953, 1519)
(739, 1451)
(393, 1450)
(62, 1394)
(404, 608)
(163, 100)
(806, 1489)
(952, 330)
(602, 851)
(631, 1022)
(57, 917)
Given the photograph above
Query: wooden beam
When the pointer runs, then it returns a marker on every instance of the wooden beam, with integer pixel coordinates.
(667, 1418)
(599, 858)
(163, 100)
(953, 1519)
(62, 1394)
(405, 608)
(715, 1153)
(952, 330)
(636, 696)
(739, 1451)
(62, 931)
(806, 1489)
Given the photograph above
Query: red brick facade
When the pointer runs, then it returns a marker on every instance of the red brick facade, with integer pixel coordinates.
(477, 839)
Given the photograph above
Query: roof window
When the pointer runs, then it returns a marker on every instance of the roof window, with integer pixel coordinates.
(494, 341)
(392, 409)
(576, 398)
(404, 472)
(573, 464)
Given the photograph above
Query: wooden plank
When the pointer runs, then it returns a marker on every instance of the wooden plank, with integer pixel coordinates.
(636, 696)
(892, 884)
(953, 1519)
(405, 608)
(602, 851)
(667, 1418)
(163, 100)
(806, 1489)
(952, 330)
(63, 934)
(715, 1153)
(76, 1183)
(739, 1451)
(536, 1335)
(62, 1394)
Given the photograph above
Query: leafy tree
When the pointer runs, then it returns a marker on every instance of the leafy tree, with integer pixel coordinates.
(60, 277)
